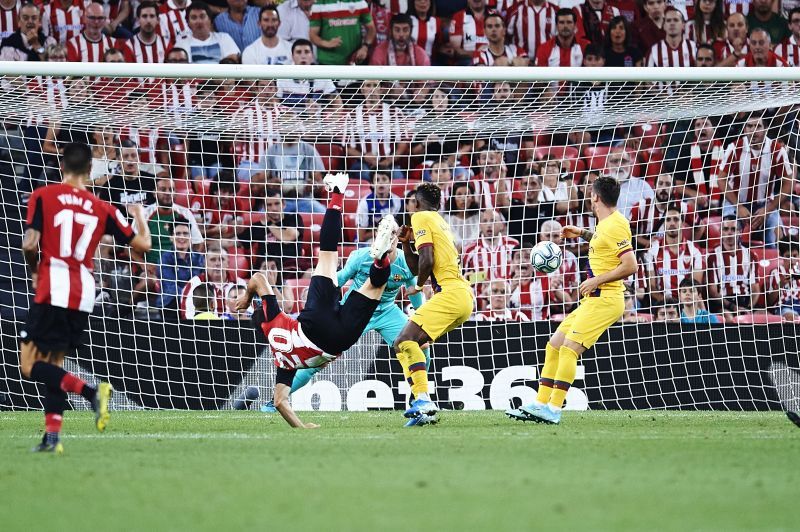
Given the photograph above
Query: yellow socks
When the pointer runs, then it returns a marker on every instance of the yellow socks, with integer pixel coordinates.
(548, 374)
(413, 361)
(567, 364)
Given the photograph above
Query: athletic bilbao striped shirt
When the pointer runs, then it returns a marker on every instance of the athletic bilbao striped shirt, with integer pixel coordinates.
(530, 25)
(61, 24)
(664, 55)
(8, 21)
(339, 18)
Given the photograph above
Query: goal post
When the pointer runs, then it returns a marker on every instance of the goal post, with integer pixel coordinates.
(229, 160)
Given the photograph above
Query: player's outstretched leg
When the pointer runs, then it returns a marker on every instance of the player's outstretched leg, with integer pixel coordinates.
(331, 231)
(565, 375)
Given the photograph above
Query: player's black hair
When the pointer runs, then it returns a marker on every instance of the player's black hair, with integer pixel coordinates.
(203, 297)
(564, 12)
(430, 194)
(302, 42)
(608, 189)
(270, 7)
(77, 158)
(146, 4)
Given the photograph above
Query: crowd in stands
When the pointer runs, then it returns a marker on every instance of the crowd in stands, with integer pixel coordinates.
(713, 202)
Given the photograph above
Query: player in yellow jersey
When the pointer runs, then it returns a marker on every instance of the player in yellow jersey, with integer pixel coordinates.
(450, 306)
(611, 259)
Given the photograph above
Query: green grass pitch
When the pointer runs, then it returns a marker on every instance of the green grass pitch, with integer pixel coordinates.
(364, 471)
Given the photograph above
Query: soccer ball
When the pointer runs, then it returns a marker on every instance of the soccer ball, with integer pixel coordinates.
(546, 257)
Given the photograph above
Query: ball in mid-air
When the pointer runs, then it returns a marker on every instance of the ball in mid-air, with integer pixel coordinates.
(546, 257)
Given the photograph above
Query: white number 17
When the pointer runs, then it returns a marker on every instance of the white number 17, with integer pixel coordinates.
(65, 219)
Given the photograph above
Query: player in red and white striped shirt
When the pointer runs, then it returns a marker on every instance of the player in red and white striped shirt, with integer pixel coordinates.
(489, 257)
(496, 52)
(9, 12)
(757, 172)
(172, 22)
(466, 29)
(65, 221)
(147, 45)
(531, 23)
(732, 283)
(564, 49)
(671, 259)
(673, 50)
(62, 19)
(90, 45)
(789, 49)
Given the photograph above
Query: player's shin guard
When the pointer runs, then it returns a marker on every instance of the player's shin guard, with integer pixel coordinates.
(331, 231)
(303, 377)
(415, 359)
(567, 365)
(549, 370)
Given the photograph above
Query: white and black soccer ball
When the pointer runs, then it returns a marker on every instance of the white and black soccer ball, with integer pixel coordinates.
(546, 257)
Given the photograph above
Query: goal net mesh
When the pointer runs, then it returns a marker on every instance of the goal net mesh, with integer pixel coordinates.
(231, 171)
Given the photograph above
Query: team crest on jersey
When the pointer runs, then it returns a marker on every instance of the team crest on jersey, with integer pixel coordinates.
(397, 277)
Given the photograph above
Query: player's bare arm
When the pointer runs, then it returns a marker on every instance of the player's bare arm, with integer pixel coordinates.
(142, 242)
(425, 265)
(626, 268)
(571, 231)
(281, 399)
(30, 248)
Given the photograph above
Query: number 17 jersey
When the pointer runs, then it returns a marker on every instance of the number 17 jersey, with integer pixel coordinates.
(71, 222)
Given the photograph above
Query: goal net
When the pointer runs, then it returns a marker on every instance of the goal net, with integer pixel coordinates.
(229, 163)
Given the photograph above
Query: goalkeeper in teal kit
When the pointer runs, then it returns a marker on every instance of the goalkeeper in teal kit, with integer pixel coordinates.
(388, 318)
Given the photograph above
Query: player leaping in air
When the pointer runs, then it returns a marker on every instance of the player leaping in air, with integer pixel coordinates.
(450, 306)
(325, 328)
(66, 222)
(611, 259)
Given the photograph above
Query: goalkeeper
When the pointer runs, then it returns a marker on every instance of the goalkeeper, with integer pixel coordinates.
(611, 259)
(388, 319)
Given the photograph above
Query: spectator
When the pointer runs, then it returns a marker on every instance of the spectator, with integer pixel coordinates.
(269, 49)
(732, 286)
(528, 293)
(375, 205)
(277, 235)
(498, 294)
(172, 23)
(203, 298)
(164, 216)
(28, 42)
(757, 173)
(489, 257)
(295, 16)
(692, 310)
(105, 156)
(708, 23)
(203, 45)
(234, 292)
(375, 135)
(671, 260)
(294, 91)
(463, 214)
(565, 49)
(647, 217)
(259, 129)
(147, 45)
(177, 265)
(734, 47)
(400, 49)
(783, 293)
(524, 214)
(466, 31)
(427, 30)
(217, 275)
(558, 195)
(669, 312)
(62, 19)
(337, 33)
(674, 49)
(298, 166)
(241, 22)
(561, 289)
(220, 210)
(763, 17)
(705, 56)
(496, 52)
(619, 52)
(649, 29)
(285, 294)
(131, 186)
(531, 23)
(760, 54)
(90, 44)
(592, 19)
(633, 189)
(697, 165)
(789, 49)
